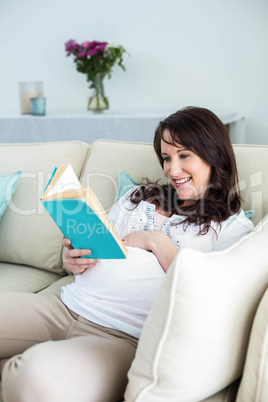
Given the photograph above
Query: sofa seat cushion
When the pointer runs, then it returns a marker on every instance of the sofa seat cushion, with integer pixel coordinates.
(28, 234)
(56, 286)
(21, 278)
(194, 340)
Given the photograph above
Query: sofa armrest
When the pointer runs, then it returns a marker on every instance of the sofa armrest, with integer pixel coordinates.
(254, 384)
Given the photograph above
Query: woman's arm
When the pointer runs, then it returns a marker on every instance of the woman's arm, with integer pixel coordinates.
(156, 241)
(73, 262)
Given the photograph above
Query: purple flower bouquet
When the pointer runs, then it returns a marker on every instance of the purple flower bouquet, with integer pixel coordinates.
(96, 59)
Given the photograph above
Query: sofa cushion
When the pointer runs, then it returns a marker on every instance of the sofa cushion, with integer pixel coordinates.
(8, 184)
(55, 287)
(227, 394)
(108, 158)
(194, 340)
(28, 234)
(252, 163)
(254, 384)
(21, 278)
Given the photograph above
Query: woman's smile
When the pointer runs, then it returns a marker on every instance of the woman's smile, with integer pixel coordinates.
(182, 181)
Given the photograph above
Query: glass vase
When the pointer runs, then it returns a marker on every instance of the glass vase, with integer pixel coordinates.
(98, 101)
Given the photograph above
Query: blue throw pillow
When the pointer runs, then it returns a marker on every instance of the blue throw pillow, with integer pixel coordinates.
(8, 185)
(125, 183)
(250, 213)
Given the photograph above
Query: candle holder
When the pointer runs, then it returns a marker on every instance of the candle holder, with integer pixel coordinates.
(29, 90)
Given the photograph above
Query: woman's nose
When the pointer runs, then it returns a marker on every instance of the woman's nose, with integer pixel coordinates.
(175, 168)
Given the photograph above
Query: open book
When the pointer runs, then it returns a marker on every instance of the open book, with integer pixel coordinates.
(80, 216)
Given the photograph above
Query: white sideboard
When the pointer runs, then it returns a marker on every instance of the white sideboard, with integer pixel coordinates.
(88, 127)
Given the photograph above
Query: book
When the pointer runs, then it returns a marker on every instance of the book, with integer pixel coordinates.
(80, 216)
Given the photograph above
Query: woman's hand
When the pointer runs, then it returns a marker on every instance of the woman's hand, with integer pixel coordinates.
(141, 239)
(156, 241)
(73, 261)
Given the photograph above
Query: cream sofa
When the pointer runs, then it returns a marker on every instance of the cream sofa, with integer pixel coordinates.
(196, 338)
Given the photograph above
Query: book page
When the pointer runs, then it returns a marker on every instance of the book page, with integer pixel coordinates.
(63, 180)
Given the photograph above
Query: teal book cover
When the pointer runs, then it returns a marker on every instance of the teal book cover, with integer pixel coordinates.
(79, 223)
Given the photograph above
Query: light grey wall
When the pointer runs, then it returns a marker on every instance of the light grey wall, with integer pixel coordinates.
(210, 53)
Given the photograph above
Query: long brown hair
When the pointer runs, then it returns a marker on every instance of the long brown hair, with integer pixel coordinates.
(202, 132)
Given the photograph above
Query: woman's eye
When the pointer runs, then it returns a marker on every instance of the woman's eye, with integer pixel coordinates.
(184, 156)
(166, 159)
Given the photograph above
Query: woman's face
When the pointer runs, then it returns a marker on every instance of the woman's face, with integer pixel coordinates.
(186, 171)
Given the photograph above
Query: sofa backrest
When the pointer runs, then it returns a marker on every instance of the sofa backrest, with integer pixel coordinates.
(27, 233)
(108, 158)
(252, 163)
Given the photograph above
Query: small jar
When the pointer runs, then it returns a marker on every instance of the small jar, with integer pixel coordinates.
(38, 106)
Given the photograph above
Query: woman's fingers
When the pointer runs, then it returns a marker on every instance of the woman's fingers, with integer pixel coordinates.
(79, 265)
(74, 252)
(75, 263)
(73, 260)
(67, 243)
(77, 252)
